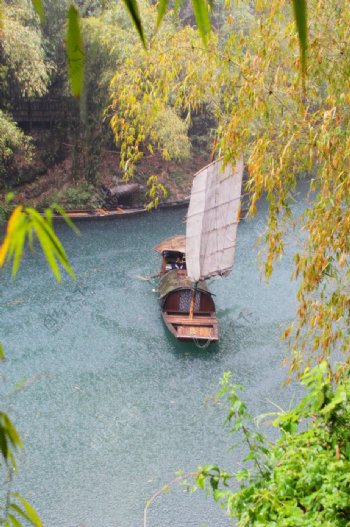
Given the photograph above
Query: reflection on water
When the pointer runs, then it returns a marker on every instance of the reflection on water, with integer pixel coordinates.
(118, 405)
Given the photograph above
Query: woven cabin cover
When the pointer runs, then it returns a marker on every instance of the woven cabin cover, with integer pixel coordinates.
(212, 220)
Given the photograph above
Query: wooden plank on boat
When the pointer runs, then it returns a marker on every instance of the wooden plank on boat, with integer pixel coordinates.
(196, 321)
(195, 332)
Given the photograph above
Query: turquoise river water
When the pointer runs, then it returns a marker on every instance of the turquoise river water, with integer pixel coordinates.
(114, 406)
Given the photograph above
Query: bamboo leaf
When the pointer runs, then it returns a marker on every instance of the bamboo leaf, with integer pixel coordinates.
(2, 353)
(47, 250)
(11, 431)
(200, 9)
(3, 443)
(20, 511)
(39, 8)
(14, 520)
(12, 225)
(300, 15)
(177, 7)
(75, 52)
(66, 218)
(48, 215)
(161, 12)
(18, 244)
(30, 512)
(132, 7)
(53, 246)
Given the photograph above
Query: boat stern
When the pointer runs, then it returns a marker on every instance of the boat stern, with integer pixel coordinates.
(197, 328)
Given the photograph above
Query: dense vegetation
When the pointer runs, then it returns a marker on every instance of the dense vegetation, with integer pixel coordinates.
(301, 479)
(72, 151)
(292, 124)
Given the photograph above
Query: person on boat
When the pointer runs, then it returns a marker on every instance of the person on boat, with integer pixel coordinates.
(180, 263)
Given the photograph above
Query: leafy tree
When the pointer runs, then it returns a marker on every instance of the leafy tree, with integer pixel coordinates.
(12, 141)
(286, 131)
(155, 92)
(24, 72)
(22, 59)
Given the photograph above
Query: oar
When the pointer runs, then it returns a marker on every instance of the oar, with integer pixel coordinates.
(147, 278)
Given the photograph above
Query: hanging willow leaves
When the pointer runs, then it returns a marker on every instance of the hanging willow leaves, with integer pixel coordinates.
(75, 52)
(300, 15)
(251, 87)
(39, 8)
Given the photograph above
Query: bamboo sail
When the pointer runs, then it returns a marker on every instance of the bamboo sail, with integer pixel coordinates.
(212, 220)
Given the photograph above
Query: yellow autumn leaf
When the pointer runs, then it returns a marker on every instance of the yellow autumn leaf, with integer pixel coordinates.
(10, 232)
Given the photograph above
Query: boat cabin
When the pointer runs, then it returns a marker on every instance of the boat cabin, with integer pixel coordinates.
(173, 260)
(176, 292)
(173, 254)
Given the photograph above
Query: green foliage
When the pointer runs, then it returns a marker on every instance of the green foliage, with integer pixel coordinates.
(156, 191)
(23, 53)
(154, 93)
(133, 9)
(300, 15)
(21, 509)
(24, 223)
(75, 52)
(201, 12)
(39, 9)
(8, 437)
(171, 133)
(303, 478)
(200, 9)
(12, 140)
(82, 196)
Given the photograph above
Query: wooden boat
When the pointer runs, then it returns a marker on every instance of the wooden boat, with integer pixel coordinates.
(207, 250)
(177, 292)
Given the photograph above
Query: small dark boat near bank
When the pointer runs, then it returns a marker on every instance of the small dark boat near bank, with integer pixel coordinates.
(99, 214)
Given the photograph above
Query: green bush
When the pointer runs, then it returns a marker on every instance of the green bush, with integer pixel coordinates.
(82, 196)
(171, 133)
(303, 478)
(12, 141)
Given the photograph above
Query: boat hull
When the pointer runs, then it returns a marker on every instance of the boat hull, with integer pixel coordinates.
(185, 328)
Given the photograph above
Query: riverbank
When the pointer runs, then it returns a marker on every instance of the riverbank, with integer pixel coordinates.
(57, 184)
